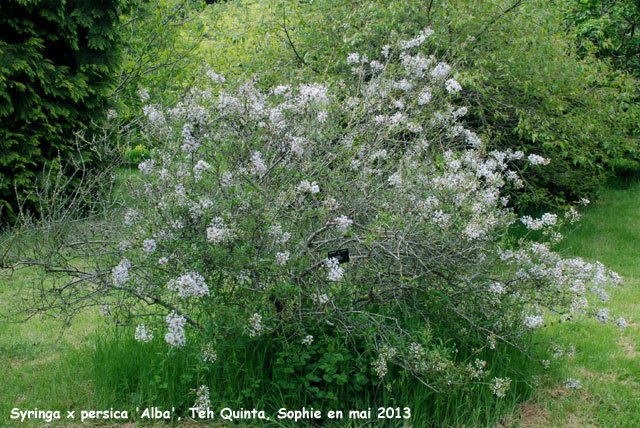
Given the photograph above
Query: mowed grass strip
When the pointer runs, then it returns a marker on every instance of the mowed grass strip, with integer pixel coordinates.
(607, 360)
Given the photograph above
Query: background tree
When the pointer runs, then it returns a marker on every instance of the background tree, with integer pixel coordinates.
(58, 63)
(610, 29)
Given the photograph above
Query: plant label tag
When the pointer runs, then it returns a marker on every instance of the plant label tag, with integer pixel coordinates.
(341, 255)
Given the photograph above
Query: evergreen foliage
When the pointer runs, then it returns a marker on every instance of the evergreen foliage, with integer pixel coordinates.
(58, 60)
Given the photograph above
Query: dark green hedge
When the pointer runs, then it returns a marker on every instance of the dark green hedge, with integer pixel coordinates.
(58, 61)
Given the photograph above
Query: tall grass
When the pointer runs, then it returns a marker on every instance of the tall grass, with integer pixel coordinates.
(257, 374)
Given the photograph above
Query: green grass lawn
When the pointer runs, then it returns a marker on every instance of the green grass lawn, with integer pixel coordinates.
(607, 360)
(40, 371)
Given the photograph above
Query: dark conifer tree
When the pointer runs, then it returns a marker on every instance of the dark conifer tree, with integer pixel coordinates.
(58, 63)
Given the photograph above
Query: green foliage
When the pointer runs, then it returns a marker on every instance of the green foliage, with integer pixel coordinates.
(161, 60)
(527, 84)
(58, 61)
(608, 28)
(135, 155)
(532, 91)
(330, 374)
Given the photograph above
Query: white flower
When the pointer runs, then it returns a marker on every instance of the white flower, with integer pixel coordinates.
(130, 217)
(320, 299)
(208, 354)
(603, 316)
(175, 334)
(111, 114)
(622, 323)
(380, 365)
(143, 94)
(217, 78)
(343, 223)
(305, 186)
(440, 71)
(203, 402)
(143, 334)
(155, 116)
(314, 93)
(537, 160)
(418, 40)
(308, 340)
(149, 246)
(376, 66)
(163, 261)
(191, 145)
(200, 167)
(257, 164)
(146, 167)
(395, 179)
(572, 383)
(330, 203)
(497, 288)
(534, 321)
(255, 326)
(425, 96)
(297, 145)
(353, 58)
(279, 237)
(227, 179)
(453, 87)
(282, 258)
(500, 386)
(218, 232)
(120, 273)
(403, 85)
(335, 272)
(191, 284)
(281, 89)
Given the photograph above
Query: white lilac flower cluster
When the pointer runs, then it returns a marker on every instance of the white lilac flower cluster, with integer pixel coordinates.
(476, 370)
(538, 160)
(255, 326)
(343, 223)
(500, 386)
(143, 333)
(278, 235)
(199, 169)
(320, 298)
(191, 284)
(175, 330)
(208, 353)
(622, 323)
(419, 40)
(453, 87)
(203, 402)
(282, 258)
(149, 246)
(218, 232)
(120, 273)
(334, 271)
(385, 355)
(572, 383)
(305, 187)
(534, 321)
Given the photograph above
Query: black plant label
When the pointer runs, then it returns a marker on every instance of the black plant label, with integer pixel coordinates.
(341, 255)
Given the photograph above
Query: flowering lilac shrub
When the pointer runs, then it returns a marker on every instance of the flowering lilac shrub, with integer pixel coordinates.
(230, 222)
